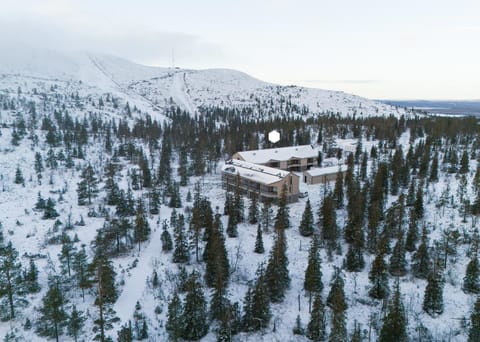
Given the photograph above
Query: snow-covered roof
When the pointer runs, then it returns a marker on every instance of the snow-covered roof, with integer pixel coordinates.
(322, 171)
(278, 154)
(258, 173)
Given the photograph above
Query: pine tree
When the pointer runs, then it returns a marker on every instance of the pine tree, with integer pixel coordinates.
(49, 211)
(181, 253)
(217, 268)
(412, 234)
(141, 228)
(378, 276)
(260, 309)
(194, 316)
(418, 205)
(167, 243)
(338, 190)
(75, 323)
(336, 301)
(398, 264)
(421, 258)
(238, 205)
(53, 317)
(298, 329)
(174, 322)
(434, 169)
(175, 198)
(66, 254)
(232, 230)
(394, 326)
(38, 166)
(276, 275)
(182, 169)
(125, 333)
(10, 272)
(259, 241)
(464, 163)
(282, 219)
(433, 298)
(266, 216)
(471, 281)
(474, 332)
(313, 274)
(307, 223)
(253, 209)
(82, 272)
(104, 279)
(329, 223)
(88, 186)
(30, 278)
(316, 329)
(19, 176)
(40, 204)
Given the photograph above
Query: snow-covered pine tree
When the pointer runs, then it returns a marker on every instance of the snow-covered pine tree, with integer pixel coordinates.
(259, 241)
(394, 326)
(316, 329)
(471, 281)
(307, 224)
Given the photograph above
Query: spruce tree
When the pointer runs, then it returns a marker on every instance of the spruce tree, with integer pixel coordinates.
(298, 328)
(19, 176)
(474, 332)
(313, 274)
(338, 190)
(260, 309)
(10, 273)
(471, 281)
(336, 301)
(30, 278)
(253, 209)
(232, 230)
(329, 223)
(316, 329)
(433, 297)
(398, 264)
(259, 241)
(394, 326)
(174, 318)
(49, 211)
(141, 230)
(307, 224)
(378, 277)
(166, 238)
(181, 252)
(276, 275)
(194, 316)
(421, 258)
(217, 268)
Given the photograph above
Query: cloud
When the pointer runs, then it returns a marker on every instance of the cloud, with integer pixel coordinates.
(63, 29)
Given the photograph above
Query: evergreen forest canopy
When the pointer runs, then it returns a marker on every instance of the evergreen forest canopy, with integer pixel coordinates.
(130, 166)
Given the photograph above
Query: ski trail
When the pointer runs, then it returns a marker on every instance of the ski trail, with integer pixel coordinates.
(124, 90)
(179, 93)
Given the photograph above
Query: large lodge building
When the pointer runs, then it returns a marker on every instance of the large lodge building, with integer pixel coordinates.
(264, 172)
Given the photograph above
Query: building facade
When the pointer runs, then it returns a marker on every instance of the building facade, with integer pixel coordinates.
(292, 158)
(324, 174)
(262, 181)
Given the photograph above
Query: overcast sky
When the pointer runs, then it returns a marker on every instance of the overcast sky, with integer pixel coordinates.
(407, 49)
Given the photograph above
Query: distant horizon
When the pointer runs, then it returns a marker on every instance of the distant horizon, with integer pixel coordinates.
(377, 50)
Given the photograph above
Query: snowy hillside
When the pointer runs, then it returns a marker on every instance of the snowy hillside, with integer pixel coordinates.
(159, 88)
